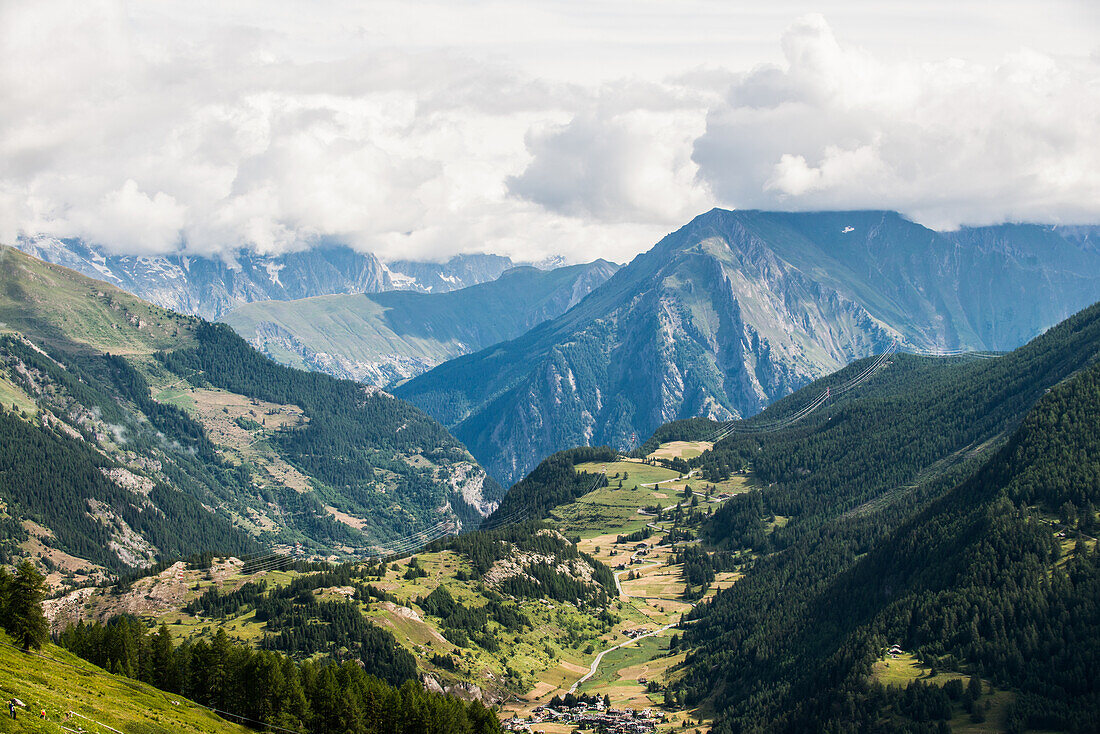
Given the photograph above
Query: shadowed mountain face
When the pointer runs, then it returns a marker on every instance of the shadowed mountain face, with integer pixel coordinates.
(737, 309)
(209, 287)
(384, 338)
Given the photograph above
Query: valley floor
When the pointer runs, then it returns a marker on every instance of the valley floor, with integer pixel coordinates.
(569, 649)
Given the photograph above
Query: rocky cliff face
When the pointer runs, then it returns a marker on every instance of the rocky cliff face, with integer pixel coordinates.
(737, 309)
(209, 287)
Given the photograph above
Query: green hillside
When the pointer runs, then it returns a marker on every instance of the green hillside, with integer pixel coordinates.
(133, 434)
(60, 308)
(59, 682)
(382, 338)
(515, 614)
(946, 508)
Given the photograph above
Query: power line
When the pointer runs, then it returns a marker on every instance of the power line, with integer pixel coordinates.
(817, 402)
(837, 390)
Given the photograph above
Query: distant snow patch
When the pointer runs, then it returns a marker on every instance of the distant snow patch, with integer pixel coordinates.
(273, 272)
(403, 282)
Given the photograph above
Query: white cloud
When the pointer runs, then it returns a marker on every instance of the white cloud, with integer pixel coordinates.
(133, 221)
(947, 143)
(421, 130)
(629, 167)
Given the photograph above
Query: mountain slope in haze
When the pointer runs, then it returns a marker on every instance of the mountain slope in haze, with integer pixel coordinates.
(461, 271)
(737, 309)
(927, 509)
(210, 286)
(132, 434)
(384, 338)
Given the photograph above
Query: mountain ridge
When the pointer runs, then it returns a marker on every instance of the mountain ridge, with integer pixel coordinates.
(966, 567)
(210, 286)
(737, 309)
(138, 418)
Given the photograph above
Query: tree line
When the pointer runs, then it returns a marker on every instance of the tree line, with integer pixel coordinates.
(261, 688)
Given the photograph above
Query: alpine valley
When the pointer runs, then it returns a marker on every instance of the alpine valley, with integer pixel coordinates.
(866, 497)
(549, 367)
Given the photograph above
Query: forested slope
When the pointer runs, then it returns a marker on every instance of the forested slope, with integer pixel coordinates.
(111, 460)
(354, 437)
(901, 532)
(553, 482)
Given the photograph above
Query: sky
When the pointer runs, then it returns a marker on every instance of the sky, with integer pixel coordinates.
(583, 129)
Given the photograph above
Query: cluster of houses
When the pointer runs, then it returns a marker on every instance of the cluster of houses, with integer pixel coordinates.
(590, 716)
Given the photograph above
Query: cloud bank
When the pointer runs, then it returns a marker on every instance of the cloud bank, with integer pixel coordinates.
(947, 143)
(510, 128)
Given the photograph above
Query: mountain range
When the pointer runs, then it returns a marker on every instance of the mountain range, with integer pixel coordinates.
(917, 552)
(385, 338)
(719, 319)
(739, 308)
(210, 286)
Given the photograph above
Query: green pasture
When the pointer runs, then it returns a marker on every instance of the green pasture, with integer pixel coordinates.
(58, 681)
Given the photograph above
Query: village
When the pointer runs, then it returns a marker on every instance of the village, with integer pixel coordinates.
(589, 714)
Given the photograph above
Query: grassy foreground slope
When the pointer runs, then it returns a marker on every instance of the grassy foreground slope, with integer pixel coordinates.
(58, 681)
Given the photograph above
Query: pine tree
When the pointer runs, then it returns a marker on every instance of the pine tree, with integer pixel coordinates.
(5, 588)
(24, 619)
(162, 659)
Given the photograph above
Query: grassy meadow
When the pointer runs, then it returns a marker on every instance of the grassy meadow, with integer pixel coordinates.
(58, 682)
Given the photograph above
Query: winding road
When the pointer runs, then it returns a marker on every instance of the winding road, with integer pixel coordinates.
(596, 663)
(618, 585)
(599, 658)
